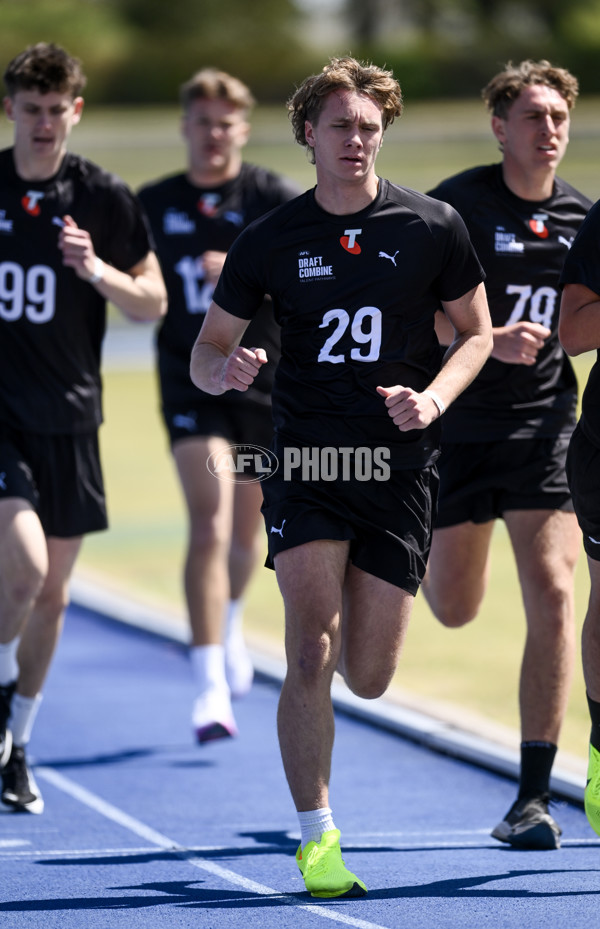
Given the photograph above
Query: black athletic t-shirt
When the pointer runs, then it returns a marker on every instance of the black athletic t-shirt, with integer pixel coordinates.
(582, 266)
(186, 221)
(52, 322)
(356, 298)
(522, 246)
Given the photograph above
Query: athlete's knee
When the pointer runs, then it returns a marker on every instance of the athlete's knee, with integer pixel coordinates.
(51, 604)
(367, 687)
(450, 610)
(453, 616)
(20, 588)
(552, 611)
(312, 658)
(244, 553)
(562, 603)
(368, 682)
(207, 536)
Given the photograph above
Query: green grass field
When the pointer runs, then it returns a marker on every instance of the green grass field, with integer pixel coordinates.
(475, 668)
(429, 142)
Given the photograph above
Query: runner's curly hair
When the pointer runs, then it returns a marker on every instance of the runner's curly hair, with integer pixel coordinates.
(504, 88)
(47, 68)
(343, 74)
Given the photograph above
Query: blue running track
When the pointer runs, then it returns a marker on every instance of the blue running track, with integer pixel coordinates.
(143, 828)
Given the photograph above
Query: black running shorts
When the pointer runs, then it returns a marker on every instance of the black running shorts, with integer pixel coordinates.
(246, 423)
(387, 523)
(583, 473)
(479, 481)
(60, 475)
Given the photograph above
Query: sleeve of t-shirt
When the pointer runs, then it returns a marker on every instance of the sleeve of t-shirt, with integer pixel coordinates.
(131, 238)
(443, 191)
(459, 193)
(241, 287)
(461, 269)
(582, 264)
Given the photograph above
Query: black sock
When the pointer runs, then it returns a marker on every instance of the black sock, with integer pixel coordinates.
(595, 719)
(537, 759)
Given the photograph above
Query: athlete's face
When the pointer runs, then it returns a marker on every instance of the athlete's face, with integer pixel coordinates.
(43, 123)
(215, 132)
(346, 137)
(535, 133)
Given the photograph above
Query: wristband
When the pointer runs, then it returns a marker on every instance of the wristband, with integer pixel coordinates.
(98, 271)
(437, 400)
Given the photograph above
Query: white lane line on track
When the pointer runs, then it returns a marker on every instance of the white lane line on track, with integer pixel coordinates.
(162, 841)
(403, 834)
(9, 850)
(105, 809)
(103, 852)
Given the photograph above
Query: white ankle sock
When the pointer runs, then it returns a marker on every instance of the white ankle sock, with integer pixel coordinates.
(9, 669)
(233, 620)
(313, 823)
(22, 717)
(208, 666)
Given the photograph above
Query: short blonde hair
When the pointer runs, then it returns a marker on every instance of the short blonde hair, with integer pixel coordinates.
(212, 84)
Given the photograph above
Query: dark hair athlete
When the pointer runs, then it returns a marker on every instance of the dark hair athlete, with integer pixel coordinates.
(73, 237)
(505, 440)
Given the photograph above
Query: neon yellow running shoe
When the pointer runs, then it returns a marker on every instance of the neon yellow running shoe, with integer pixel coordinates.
(323, 869)
(591, 796)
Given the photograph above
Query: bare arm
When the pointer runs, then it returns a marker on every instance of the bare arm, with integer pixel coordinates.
(218, 361)
(444, 329)
(579, 320)
(139, 293)
(518, 343)
(470, 348)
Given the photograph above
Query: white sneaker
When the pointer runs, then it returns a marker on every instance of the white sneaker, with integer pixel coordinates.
(238, 666)
(212, 717)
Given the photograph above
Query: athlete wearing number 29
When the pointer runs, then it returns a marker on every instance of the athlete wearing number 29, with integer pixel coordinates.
(72, 237)
(504, 442)
(356, 268)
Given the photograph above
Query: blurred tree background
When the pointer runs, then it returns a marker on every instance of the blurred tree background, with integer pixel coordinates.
(140, 51)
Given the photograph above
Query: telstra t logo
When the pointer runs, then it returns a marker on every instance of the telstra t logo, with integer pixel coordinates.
(31, 202)
(348, 241)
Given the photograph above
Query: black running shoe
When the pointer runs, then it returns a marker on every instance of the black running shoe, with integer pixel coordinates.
(19, 789)
(528, 824)
(6, 693)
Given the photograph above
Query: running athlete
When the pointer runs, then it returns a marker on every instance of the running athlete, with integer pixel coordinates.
(73, 237)
(195, 217)
(579, 331)
(505, 440)
(356, 268)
